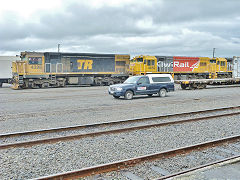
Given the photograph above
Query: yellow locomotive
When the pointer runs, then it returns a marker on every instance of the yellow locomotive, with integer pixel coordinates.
(181, 67)
(51, 69)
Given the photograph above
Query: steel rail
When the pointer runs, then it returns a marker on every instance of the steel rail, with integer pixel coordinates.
(198, 167)
(113, 131)
(117, 165)
(69, 128)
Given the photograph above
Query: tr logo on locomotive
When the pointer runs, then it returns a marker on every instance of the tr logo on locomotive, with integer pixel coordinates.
(84, 64)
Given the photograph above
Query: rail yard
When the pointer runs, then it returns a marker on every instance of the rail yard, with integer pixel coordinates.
(82, 132)
(119, 90)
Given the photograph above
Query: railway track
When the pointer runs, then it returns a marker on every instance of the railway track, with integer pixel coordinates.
(30, 138)
(127, 168)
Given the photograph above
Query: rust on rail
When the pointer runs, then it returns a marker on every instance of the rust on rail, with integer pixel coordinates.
(131, 162)
(60, 129)
(98, 133)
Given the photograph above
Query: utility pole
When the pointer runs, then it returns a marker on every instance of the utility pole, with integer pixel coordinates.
(214, 51)
(58, 47)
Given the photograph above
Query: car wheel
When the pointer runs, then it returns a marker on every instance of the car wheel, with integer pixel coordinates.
(128, 95)
(150, 95)
(117, 97)
(162, 92)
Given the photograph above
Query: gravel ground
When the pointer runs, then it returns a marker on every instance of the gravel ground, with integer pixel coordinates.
(31, 109)
(173, 164)
(107, 127)
(25, 163)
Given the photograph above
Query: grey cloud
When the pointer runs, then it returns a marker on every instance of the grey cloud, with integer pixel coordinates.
(108, 29)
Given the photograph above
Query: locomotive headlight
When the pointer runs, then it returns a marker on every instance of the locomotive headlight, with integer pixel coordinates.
(119, 89)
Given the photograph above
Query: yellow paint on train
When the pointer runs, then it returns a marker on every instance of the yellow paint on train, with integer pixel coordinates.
(84, 64)
(34, 70)
(214, 67)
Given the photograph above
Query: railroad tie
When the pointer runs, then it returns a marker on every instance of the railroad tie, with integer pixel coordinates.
(160, 170)
(227, 151)
(131, 176)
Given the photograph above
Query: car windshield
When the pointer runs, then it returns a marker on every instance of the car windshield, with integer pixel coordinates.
(132, 80)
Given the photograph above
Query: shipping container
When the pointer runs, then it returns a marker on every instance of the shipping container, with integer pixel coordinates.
(236, 66)
(6, 68)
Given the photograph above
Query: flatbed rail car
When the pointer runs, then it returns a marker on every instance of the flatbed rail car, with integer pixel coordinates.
(202, 83)
(51, 69)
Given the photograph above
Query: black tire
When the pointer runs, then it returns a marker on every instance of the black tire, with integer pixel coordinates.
(183, 86)
(150, 95)
(128, 95)
(116, 97)
(162, 92)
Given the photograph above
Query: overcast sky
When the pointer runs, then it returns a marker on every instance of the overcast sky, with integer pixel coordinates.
(154, 27)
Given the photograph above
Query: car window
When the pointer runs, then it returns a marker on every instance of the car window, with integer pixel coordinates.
(131, 80)
(144, 80)
(161, 79)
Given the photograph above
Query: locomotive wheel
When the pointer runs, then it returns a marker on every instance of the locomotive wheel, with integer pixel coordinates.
(191, 87)
(183, 86)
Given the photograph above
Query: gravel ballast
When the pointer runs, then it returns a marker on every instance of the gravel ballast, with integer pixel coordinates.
(34, 109)
(24, 163)
(171, 165)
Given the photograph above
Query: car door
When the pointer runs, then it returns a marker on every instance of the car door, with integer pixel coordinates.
(143, 86)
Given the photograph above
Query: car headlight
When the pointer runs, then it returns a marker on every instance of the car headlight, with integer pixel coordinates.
(118, 88)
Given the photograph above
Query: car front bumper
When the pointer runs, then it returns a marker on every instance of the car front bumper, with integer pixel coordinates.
(116, 93)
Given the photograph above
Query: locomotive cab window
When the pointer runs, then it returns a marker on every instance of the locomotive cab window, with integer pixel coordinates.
(222, 63)
(139, 59)
(150, 62)
(35, 60)
(153, 62)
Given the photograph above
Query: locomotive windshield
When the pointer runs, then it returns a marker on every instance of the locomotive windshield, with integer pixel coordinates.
(139, 59)
(35, 60)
